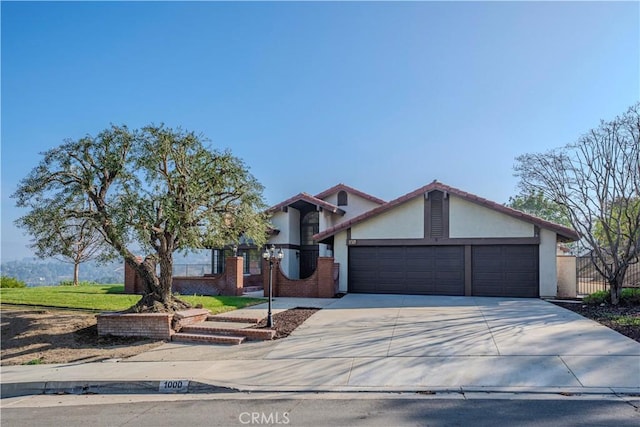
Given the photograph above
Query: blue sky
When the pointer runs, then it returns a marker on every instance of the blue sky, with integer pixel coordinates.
(385, 97)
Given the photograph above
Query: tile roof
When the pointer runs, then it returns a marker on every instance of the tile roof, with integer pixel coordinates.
(309, 199)
(564, 232)
(343, 187)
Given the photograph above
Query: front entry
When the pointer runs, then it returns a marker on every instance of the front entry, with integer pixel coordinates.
(309, 249)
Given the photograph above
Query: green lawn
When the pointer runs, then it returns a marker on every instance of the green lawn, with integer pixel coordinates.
(106, 298)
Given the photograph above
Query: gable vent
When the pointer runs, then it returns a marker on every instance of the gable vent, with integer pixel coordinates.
(437, 217)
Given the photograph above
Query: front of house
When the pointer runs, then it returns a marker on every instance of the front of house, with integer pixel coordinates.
(436, 240)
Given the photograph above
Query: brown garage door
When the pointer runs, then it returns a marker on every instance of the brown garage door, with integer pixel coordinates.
(430, 270)
(505, 271)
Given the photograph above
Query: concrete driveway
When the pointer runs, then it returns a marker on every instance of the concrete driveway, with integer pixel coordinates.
(387, 343)
(432, 341)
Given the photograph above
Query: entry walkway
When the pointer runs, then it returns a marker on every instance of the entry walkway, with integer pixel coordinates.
(385, 343)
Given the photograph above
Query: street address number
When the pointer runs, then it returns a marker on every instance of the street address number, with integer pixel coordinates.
(174, 386)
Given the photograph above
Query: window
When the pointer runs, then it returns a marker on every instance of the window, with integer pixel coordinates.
(246, 262)
(310, 226)
(251, 261)
(343, 198)
(217, 261)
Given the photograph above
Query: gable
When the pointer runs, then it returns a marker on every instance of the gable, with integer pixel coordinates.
(405, 221)
(468, 219)
(500, 220)
(355, 206)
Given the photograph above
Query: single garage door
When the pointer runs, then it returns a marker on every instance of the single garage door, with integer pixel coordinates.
(429, 270)
(505, 271)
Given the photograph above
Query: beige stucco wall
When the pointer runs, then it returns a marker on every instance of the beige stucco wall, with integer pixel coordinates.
(356, 205)
(467, 219)
(567, 281)
(340, 255)
(548, 270)
(405, 221)
(289, 225)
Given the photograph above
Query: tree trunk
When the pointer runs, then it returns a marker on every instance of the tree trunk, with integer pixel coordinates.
(615, 284)
(157, 295)
(76, 273)
(166, 277)
(614, 290)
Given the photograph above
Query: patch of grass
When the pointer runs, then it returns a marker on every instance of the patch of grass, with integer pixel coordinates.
(220, 304)
(34, 362)
(95, 297)
(107, 298)
(624, 320)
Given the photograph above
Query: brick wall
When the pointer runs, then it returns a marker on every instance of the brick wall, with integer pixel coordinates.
(206, 285)
(152, 325)
(229, 283)
(234, 276)
(132, 282)
(323, 283)
(253, 280)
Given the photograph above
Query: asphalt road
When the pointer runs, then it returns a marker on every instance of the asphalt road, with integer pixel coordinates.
(387, 412)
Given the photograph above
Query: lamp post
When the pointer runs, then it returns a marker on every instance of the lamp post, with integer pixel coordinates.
(271, 256)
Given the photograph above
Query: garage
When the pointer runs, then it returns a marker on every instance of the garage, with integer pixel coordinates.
(428, 270)
(496, 270)
(439, 240)
(505, 270)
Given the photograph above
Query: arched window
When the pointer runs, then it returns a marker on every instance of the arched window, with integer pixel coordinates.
(342, 198)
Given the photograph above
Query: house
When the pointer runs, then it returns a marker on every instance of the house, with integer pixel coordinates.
(436, 240)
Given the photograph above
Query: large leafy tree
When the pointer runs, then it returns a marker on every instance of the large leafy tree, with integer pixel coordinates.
(596, 180)
(156, 190)
(537, 204)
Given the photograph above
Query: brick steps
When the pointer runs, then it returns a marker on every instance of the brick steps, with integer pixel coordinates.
(207, 338)
(247, 289)
(232, 318)
(217, 329)
(224, 329)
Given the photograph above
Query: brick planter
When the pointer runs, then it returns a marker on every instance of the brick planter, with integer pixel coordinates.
(151, 325)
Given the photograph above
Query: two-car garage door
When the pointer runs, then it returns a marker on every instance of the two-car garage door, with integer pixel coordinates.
(496, 270)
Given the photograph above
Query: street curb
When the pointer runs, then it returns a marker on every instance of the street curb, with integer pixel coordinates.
(197, 387)
(103, 387)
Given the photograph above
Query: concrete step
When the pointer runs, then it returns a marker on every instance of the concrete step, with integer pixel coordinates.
(207, 338)
(252, 289)
(238, 318)
(219, 328)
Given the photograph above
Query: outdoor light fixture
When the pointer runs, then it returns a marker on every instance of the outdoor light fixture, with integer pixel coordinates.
(271, 256)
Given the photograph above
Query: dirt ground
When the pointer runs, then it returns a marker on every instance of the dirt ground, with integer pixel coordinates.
(54, 336)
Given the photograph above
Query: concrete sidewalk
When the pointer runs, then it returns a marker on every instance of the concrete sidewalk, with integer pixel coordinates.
(379, 343)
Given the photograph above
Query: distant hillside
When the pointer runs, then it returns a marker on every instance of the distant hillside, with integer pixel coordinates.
(49, 272)
(35, 272)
